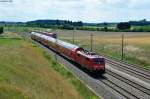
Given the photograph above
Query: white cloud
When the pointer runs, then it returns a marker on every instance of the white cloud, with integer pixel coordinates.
(144, 4)
(86, 10)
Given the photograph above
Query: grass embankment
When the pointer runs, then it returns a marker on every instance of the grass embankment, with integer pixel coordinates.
(136, 44)
(28, 72)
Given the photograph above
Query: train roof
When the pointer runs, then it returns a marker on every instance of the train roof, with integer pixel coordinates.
(89, 54)
(43, 32)
(59, 42)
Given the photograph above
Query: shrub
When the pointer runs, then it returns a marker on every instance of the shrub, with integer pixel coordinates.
(123, 26)
(1, 30)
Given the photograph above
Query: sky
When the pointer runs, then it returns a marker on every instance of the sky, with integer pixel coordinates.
(75, 10)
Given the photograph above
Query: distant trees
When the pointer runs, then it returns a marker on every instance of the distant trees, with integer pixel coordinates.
(105, 26)
(63, 24)
(80, 23)
(1, 30)
(58, 22)
(123, 25)
(143, 22)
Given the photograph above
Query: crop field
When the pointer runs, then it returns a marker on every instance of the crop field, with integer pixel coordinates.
(136, 45)
(28, 72)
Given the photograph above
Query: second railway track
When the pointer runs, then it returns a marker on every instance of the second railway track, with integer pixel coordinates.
(127, 68)
(129, 82)
(126, 63)
(126, 87)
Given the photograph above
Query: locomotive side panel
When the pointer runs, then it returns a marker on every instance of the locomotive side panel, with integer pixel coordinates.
(83, 61)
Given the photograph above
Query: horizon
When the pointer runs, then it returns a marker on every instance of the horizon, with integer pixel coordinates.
(87, 11)
(69, 20)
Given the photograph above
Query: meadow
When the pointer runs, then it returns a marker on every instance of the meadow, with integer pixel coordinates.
(136, 44)
(29, 72)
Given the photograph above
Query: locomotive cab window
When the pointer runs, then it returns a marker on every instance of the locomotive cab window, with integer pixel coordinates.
(98, 60)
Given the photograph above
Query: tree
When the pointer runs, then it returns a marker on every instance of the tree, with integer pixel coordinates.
(105, 26)
(58, 22)
(123, 25)
(79, 23)
(1, 30)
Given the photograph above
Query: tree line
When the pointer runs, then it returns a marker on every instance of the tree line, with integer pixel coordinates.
(79, 25)
(62, 24)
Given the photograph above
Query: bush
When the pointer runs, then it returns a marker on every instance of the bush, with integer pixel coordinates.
(123, 26)
(67, 26)
(1, 30)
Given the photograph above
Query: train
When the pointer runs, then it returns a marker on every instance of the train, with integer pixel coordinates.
(86, 59)
(54, 35)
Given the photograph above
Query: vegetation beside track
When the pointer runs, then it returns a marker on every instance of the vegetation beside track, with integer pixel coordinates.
(78, 85)
(28, 72)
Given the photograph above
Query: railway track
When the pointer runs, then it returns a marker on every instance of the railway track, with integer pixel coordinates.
(141, 73)
(133, 65)
(126, 87)
(113, 86)
(129, 82)
(126, 63)
(126, 94)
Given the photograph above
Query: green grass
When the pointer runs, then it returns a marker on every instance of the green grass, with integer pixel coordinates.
(10, 41)
(28, 72)
(141, 28)
(7, 92)
(80, 87)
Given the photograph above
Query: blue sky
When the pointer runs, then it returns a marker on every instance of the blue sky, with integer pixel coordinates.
(76, 10)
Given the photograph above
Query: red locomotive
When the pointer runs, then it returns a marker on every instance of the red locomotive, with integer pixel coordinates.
(86, 59)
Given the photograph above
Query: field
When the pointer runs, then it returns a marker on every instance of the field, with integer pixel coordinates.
(28, 72)
(136, 49)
